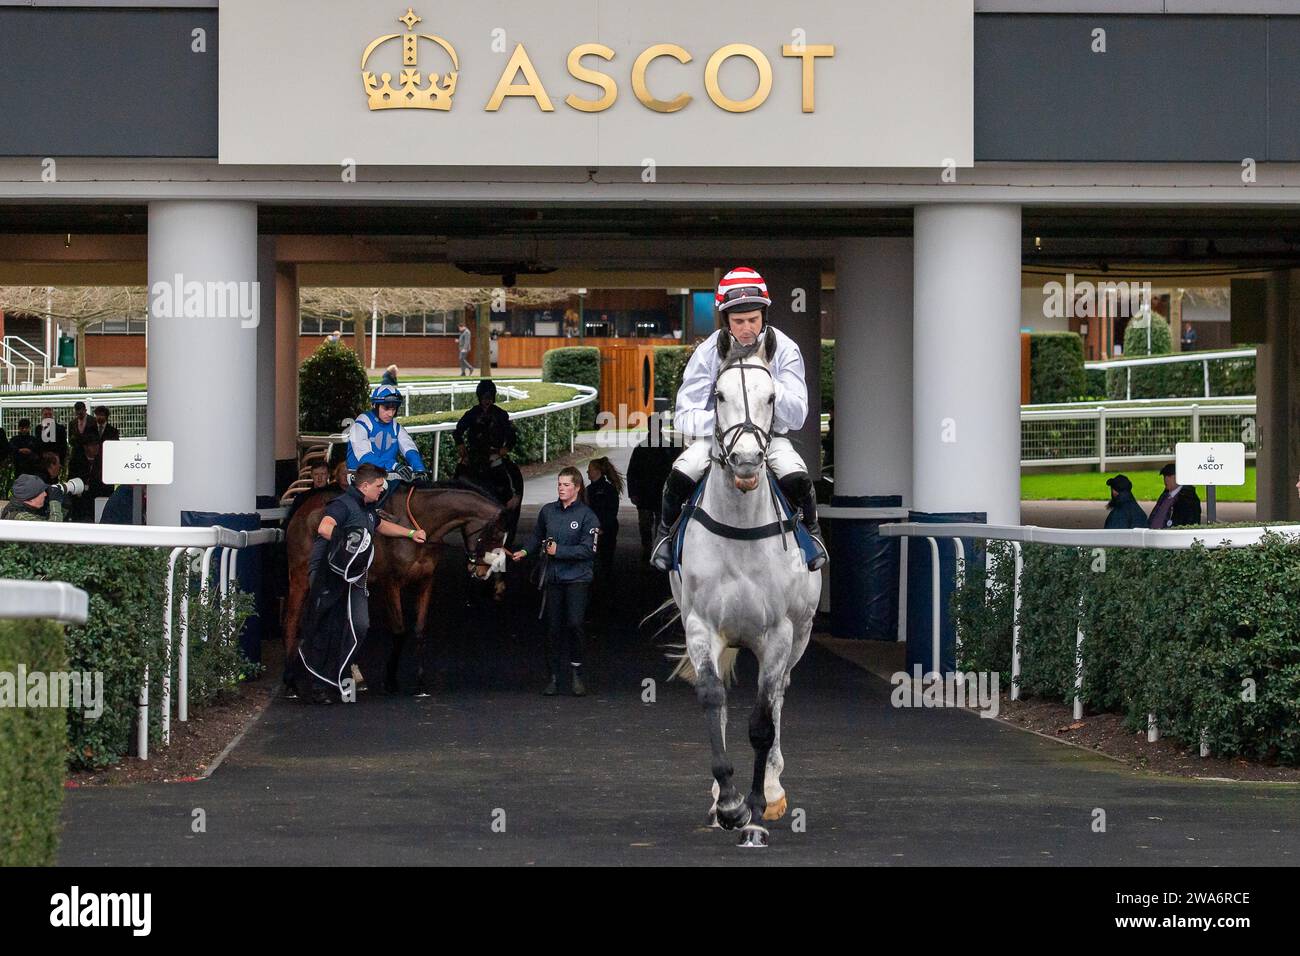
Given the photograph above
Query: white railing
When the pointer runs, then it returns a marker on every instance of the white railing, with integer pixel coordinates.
(1101, 435)
(1205, 358)
(33, 350)
(48, 600)
(129, 409)
(1173, 539)
(586, 395)
(197, 545)
(14, 359)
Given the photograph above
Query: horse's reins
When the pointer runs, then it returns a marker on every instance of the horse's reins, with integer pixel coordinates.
(747, 427)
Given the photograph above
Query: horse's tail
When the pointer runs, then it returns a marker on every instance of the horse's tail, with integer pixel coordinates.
(686, 670)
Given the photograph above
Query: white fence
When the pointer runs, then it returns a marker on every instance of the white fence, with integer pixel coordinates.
(196, 546)
(1173, 539)
(1100, 435)
(128, 411)
(1182, 358)
(48, 600)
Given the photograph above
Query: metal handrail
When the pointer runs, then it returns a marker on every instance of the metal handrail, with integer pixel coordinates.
(8, 350)
(1171, 359)
(182, 541)
(45, 358)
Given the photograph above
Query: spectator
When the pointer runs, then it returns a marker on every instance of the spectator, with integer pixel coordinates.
(27, 502)
(107, 432)
(336, 336)
(1189, 337)
(4, 446)
(1179, 506)
(76, 431)
(26, 449)
(390, 376)
(1123, 511)
(462, 347)
(52, 436)
(91, 471)
(605, 487)
(484, 436)
(647, 470)
(565, 535)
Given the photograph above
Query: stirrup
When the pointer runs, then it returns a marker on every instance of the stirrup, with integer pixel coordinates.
(661, 555)
(822, 556)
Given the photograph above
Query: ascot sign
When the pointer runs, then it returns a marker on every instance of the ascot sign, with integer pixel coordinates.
(437, 95)
(736, 83)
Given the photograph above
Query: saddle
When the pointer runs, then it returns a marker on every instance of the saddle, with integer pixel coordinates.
(790, 523)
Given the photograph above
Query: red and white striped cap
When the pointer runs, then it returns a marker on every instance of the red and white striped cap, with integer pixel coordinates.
(741, 286)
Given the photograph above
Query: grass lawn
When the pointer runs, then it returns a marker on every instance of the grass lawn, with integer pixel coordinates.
(1091, 486)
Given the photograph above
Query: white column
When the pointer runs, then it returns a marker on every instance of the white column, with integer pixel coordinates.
(202, 366)
(966, 360)
(873, 367)
(266, 278)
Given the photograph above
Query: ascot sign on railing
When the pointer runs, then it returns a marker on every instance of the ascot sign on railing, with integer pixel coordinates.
(754, 83)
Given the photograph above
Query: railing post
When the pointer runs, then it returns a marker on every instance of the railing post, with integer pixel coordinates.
(437, 447)
(142, 718)
(1015, 623)
(959, 582)
(902, 588)
(183, 663)
(1078, 663)
(1205, 367)
(168, 592)
(1196, 422)
(1129, 390)
(1101, 437)
(1153, 729)
(545, 436)
(935, 648)
(573, 429)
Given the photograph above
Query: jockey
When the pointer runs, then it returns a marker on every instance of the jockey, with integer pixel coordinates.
(743, 300)
(376, 438)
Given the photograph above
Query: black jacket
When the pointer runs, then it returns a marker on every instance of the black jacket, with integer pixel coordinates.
(1186, 510)
(26, 464)
(574, 529)
(647, 470)
(602, 498)
(1125, 512)
(485, 431)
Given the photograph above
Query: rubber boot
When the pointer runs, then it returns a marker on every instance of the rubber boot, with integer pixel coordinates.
(798, 490)
(550, 690)
(579, 688)
(677, 489)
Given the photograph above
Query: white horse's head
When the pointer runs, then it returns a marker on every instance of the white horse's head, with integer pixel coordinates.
(744, 401)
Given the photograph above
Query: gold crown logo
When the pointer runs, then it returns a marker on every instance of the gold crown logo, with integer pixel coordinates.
(410, 94)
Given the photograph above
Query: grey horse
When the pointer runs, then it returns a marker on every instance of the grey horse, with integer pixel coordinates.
(743, 582)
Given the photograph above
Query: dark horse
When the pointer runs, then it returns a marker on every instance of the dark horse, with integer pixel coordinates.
(439, 511)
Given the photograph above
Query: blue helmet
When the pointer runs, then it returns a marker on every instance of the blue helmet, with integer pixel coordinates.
(385, 395)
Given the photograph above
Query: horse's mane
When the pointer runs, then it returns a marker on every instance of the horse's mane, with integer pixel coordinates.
(463, 484)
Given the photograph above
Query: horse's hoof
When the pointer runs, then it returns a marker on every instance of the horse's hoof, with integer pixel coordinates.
(733, 818)
(775, 811)
(753, 835)
(711, 820)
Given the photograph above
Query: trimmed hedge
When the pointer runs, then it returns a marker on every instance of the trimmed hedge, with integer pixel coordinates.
(33, 750)
(670, 363)
(1056, 367)
(827, 376)
(1206, 639)
(578, 365)
(123, 634)
(332, 386)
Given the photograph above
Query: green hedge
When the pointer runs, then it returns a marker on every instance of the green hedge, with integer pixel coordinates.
(578, 365)
(670, 363)
(123, 634)
(33, 750)
(1056, 367)
(1174, 633)
(332, 386)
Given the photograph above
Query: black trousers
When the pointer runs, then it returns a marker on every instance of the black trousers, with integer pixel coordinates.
(648, 522)
(566, 608)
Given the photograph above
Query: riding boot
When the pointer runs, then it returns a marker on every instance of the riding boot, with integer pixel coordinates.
(550, 690)
(798, 490)
(579, 689)
(677, 489)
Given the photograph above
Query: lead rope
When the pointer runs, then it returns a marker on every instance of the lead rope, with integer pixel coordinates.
(409, 513)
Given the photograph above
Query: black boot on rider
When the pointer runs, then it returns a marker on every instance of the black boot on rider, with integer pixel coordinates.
(677, 489)
(798, 490)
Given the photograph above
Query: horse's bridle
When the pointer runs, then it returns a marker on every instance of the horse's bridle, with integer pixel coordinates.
(726, 440)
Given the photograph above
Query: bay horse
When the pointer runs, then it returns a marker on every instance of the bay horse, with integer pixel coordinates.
(743, 583)
(440, 510)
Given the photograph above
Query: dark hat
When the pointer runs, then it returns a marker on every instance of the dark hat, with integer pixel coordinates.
(1120, 483)
(27, 487)
(1169, 469)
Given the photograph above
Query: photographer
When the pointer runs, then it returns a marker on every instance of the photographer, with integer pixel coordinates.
(29, 498)
(565, 536)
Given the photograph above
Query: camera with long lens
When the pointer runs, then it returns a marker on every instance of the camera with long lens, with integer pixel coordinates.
(61, 489)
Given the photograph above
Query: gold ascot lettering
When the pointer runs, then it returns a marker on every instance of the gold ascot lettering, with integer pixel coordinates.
(594, 77)
(532, 85)
(756, 57)
(808, 54)
(638, 77)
